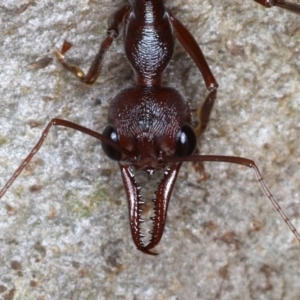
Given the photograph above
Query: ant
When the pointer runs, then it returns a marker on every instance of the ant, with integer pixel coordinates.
(149, 125)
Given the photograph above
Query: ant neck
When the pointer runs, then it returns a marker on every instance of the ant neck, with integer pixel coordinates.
(148, 11)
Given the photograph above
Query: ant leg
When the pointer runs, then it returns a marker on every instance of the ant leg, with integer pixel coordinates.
(36, 148)
(204, 112)
(114, 21)
(192, 48)
(293, 7)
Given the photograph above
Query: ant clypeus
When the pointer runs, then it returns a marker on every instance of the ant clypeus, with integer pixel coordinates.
(149, 125)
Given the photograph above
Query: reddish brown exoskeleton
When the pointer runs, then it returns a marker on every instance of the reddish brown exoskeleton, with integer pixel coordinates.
(149, 125)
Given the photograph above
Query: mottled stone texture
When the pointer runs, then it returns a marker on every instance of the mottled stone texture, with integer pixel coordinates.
(64, 231)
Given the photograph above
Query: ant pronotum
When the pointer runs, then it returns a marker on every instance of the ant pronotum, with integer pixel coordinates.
(149, 125)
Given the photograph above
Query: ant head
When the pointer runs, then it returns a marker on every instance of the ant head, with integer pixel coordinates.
(149, 129)
(150, 123)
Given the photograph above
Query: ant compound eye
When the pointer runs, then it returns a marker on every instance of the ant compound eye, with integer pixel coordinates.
(111, 133)
(186, 141)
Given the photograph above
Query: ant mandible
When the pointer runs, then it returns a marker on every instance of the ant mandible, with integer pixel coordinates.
(149, 125)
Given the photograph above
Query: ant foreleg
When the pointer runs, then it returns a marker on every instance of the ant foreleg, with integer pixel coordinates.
(192, 48)
(188, 42)
(293, 7)
(114, 22)
(204, 112)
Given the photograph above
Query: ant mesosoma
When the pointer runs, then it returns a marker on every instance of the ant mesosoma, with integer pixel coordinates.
(149, 125)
